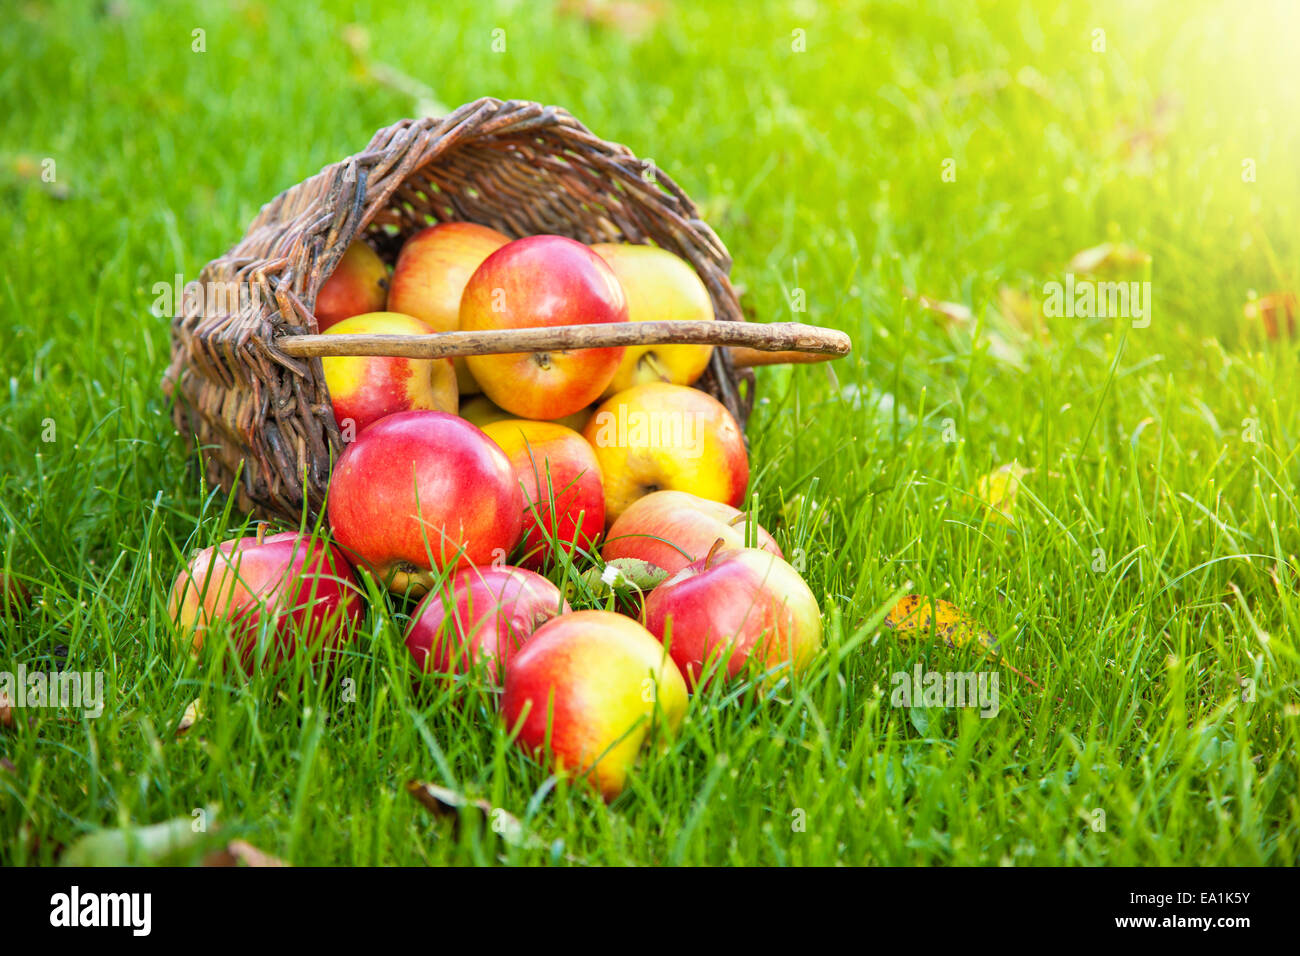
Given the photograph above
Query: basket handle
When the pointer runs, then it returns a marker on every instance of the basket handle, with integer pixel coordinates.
(757, 344)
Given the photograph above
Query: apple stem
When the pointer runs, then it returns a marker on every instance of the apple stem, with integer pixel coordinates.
(717, 546)
(261, 531)
(651, 361)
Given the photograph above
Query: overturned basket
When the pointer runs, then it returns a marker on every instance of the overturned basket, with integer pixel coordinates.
(246, 374)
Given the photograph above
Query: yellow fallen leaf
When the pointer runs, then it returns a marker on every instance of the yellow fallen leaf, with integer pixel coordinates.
(916, 616)
(998, 490)
(191, 716)
(1023, 313)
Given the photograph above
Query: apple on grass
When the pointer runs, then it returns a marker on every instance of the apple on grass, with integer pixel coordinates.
(658, 437)
(419, 491)
(670, 529)
(358, 284)
(480, 616)
(588, 691)
(292, 584)
(735, 609)
(431, 273)
(534, 282)
(659, 287)
(365, 388)
(564, 500)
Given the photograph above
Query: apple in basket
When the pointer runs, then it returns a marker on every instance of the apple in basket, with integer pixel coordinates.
(670, 529)
(431, 273)
(423, 490)
(365, 388)
(543, 281)
(564, 499)
(588, 691)
(298, 591)
(733, 609)
(358, 284)
(659, 436)
(480, 616)
(659, 287)
(482, 411)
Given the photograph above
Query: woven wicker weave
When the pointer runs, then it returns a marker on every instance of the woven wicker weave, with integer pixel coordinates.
(262, 417)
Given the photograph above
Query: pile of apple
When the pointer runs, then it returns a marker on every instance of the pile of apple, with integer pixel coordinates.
(551, 457)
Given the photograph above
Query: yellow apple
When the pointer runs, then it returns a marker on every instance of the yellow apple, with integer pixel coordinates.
(482, 411)
(659, 436)
(659, 287)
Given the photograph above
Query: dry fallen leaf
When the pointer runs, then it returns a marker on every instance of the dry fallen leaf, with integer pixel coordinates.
(191, 716)
(446, 803)
(239, 853)
(916, 616)
(1023, 313)
(1140, 138)
(1272, 311)
(952, 311)
(629, 18)
(158, 843)
(14, 596)
(1109, 259)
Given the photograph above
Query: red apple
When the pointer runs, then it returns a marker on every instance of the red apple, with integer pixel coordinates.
(670, 529)
(481, 615)
(291, 583)
(358, 284)
(736, 607)
(583, 693)
(564, 501)
(365, 388)
(423, 490)
(660, 436)
(543, 281)
(431, 273)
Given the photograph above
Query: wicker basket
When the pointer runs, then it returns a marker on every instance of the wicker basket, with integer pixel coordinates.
(246, 374)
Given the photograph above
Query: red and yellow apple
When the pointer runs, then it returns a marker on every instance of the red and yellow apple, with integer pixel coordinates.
(658, 436)
(358, 284)
(564, 500)
(294, 585)
(588, 691)
(482, 411)
(659, 287)
(365, 388)
(543, 281)
(423, 490)
(670, 529)
(736, 609)
(431, 273)
(480, 616)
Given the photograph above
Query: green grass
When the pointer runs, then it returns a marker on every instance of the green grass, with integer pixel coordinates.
(822, 171)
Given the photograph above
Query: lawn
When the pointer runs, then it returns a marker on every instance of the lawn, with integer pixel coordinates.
(853, 157)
